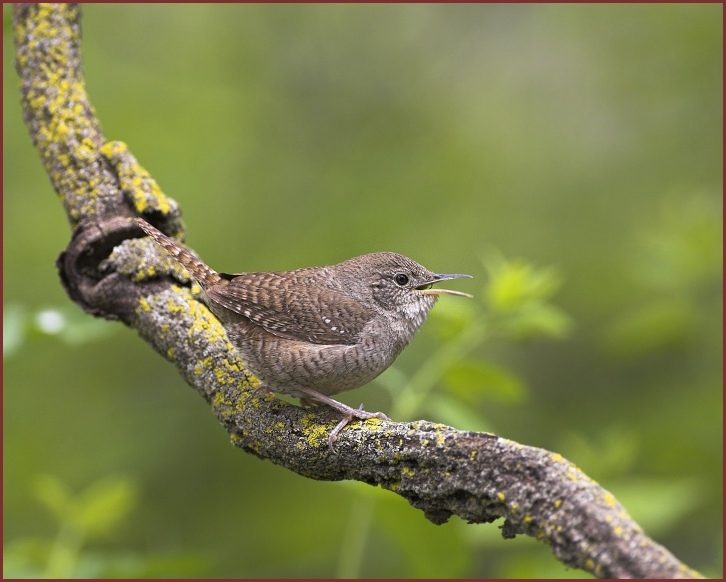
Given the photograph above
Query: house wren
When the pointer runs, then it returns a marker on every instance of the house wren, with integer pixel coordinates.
(314, 332)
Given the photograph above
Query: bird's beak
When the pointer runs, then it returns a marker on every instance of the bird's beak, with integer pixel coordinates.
(427, 289)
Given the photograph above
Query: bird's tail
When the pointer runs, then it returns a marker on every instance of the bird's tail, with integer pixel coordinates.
(203, 274)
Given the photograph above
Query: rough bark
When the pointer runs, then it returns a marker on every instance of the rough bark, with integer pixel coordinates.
(111, 270)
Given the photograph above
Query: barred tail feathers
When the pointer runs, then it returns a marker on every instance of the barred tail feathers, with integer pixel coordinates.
(203, 274)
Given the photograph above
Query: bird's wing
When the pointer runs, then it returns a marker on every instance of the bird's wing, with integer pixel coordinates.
(304, 311)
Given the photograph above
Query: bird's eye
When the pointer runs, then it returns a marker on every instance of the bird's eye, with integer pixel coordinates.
(400, 279)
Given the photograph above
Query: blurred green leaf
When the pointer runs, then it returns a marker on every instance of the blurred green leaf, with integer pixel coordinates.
(72, 326)
(539, 320)
(106, 565)
(452, 411)
(613, 451)
(685, 247)
(451, 317)
(104, 505)
(95, 511)
(515, 284)
(652, 327)
(517, 293)
(658, 505)
(54, 495)
(475, 380)
(68, 324)
(25, 558)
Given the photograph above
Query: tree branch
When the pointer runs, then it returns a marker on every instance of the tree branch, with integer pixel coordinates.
(113, 271)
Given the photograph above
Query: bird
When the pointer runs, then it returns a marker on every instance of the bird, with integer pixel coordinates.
(314, 332)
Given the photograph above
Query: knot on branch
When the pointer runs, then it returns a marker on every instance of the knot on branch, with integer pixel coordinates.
(100, 292)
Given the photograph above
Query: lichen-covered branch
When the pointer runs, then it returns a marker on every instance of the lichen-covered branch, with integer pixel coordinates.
(113, 271)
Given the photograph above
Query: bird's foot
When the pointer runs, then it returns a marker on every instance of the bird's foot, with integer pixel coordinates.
(348, 412)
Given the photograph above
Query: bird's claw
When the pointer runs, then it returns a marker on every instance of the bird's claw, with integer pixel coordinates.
(358, 413)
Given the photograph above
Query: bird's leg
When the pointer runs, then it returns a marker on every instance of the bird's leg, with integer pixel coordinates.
(348, 412)
(305, 403)
(315, 396)
(338, 427)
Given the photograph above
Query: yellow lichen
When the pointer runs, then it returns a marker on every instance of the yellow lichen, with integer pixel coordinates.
(316, 434)
(144, 191)
(202, 365)
(222, 406)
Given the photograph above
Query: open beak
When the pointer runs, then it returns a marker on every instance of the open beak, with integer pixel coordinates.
(427, 289)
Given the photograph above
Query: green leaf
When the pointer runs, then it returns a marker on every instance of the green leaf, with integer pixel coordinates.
(658, 504)
(53, 495)
(101, 507)
(539, 320)
(514, 284)
(72, 326)
(25, 558)
(685, 247)
(609, 452)
(473, 380)
(448, 410)
(451, 317)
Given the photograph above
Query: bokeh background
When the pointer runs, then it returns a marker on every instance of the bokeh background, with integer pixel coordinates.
(582, 140)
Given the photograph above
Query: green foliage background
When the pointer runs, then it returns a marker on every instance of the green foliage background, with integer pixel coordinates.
(586, 138)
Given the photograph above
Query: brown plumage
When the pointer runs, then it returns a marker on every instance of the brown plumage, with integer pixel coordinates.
(317, 331)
